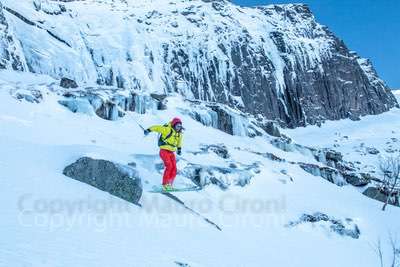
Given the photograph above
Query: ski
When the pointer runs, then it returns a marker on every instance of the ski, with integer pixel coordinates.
(187, 189)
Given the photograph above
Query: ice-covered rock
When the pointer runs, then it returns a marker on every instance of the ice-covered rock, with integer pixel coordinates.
(288, 145)
(80, 105)
(118, 180)
(203, 175)
(330, 174)
(109, 103)
(222, 117)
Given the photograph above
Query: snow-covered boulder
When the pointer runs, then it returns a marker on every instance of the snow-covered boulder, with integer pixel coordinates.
(30, 95)
(220, 149)
(342, 227)
(203, 175)
(372, 150)
(118, 180)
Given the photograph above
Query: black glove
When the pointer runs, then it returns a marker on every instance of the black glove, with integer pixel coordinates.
(147, 131)
(179, 152)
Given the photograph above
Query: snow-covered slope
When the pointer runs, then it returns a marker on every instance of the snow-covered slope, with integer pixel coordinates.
(49, 219)
(273, 61)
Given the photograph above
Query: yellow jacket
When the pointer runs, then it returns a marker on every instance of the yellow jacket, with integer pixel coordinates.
(169, 138)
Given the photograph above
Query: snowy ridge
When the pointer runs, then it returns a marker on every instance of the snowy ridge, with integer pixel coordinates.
(275, 60)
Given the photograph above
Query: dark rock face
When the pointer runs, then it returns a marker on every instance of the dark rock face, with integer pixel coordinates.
(68, 83)
(340, 85)
(118, 180)
(375, 193)
(271, 129)
(9, 56)
(356, 179)
(161, 101)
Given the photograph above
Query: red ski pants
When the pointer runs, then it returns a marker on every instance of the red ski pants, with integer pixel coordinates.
(169, 160)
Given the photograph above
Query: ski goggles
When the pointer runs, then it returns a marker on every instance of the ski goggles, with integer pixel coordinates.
(178, 126)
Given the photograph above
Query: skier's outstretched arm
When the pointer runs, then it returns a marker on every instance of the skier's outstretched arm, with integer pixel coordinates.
(157, 128)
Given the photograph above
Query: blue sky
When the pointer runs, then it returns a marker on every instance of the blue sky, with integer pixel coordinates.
(370, 27)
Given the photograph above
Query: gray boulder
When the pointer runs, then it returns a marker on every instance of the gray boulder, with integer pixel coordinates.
(356, 179)
(118, 180)
(68, 83)
(375, 193)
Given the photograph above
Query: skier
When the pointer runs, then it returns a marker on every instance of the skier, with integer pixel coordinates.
(170, 140)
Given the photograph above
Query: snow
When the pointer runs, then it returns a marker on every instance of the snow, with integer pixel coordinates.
(352, 138)
(13, 77)
(49, 219)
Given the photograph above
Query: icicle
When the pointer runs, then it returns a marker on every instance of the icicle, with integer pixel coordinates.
(239, 124)
(144, 103)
